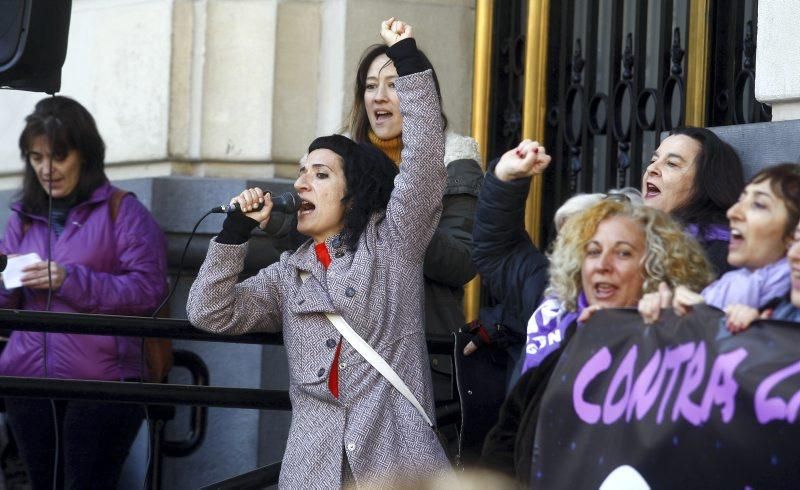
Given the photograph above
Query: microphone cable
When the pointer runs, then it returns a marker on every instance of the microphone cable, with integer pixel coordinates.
(154, 316)
(180, 266)
(142, 360)
(57, 442)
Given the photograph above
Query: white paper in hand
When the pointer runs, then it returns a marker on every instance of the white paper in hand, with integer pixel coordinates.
(12, 276)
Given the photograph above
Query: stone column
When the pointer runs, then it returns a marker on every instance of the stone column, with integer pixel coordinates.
(231, 88)
(777, 49)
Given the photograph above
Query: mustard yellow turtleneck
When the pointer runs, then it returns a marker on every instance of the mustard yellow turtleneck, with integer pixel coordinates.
(391, 147)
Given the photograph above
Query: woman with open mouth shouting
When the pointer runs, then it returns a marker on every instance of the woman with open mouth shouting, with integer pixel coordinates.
(739, 317)
(364, 261)
(607, 256)
(762, 224)
(375, 118)
(696, 177)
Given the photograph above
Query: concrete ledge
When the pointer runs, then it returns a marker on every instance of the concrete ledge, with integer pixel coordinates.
(761, 145)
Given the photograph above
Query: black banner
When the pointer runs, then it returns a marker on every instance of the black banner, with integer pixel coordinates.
(683, 403)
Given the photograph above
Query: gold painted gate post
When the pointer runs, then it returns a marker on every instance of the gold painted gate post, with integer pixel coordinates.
(534, 102)
(481, 86)
(697, 62)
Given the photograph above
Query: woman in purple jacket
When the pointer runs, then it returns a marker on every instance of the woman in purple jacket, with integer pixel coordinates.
(108, 255)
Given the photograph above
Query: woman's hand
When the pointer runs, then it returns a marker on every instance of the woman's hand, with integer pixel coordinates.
(526, 160)
(470, 348)
(496, 336)
(249, 199)
(35, 276)
(587, 313)
(739, 317)
(393, 31)
(685, 299)
(651, 304)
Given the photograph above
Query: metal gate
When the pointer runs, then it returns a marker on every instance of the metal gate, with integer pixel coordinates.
(617, 74)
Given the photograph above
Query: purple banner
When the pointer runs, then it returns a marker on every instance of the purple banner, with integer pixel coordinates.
(678, 404)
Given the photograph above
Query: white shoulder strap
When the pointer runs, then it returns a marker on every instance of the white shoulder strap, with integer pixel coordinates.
(363, 348)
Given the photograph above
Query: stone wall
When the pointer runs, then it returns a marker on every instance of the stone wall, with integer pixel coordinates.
(197, 99)
(231, 88)
(777, 49)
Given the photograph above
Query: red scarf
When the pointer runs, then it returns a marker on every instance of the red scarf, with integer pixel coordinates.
(333, 379)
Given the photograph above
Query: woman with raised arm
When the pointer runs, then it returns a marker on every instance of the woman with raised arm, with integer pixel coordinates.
(693, 176)
(375, 118)
(364, 262)
(511, 266)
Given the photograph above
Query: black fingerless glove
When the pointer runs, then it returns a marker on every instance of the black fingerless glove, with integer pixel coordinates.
(407, 58)
(236, 229)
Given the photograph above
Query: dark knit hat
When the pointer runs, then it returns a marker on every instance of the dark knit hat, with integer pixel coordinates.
(341, 145)
(359, 156)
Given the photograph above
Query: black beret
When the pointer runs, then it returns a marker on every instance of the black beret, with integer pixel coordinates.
(341, 145)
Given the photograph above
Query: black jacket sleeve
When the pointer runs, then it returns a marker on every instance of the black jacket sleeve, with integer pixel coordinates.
(448, 259)
(513, 269)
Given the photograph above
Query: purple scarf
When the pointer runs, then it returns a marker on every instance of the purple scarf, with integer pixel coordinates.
(546, 329)
(754, 288)
(710, 233)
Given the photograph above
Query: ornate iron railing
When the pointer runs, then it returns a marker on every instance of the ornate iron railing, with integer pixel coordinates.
(155, 393)
(732, 99)
(617, 79)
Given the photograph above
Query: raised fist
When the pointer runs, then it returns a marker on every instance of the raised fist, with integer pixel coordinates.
(394, 31)
(526, 160)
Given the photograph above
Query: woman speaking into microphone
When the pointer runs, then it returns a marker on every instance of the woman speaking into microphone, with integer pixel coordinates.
(362, 266)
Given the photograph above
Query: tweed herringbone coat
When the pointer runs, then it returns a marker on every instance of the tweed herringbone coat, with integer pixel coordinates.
(379, 291)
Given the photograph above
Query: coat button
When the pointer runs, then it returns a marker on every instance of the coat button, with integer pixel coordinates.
(342, 365)
(339, 254)
(350, 292)
(330, 343)
(321, 372)
(351, 447)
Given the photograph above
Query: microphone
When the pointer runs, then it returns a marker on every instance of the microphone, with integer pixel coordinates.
(288, 203)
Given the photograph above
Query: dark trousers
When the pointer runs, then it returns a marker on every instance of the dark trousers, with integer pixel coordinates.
(94, 440)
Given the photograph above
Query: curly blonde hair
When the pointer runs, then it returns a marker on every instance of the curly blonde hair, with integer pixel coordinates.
(671, 255)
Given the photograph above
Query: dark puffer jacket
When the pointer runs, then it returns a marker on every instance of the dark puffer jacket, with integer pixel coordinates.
(509, 446)
(512, 268)
(448, 261)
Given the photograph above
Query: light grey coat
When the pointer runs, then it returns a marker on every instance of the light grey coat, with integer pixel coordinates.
(379, 291)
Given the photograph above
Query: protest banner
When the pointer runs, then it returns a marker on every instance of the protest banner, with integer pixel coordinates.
(683, 403)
